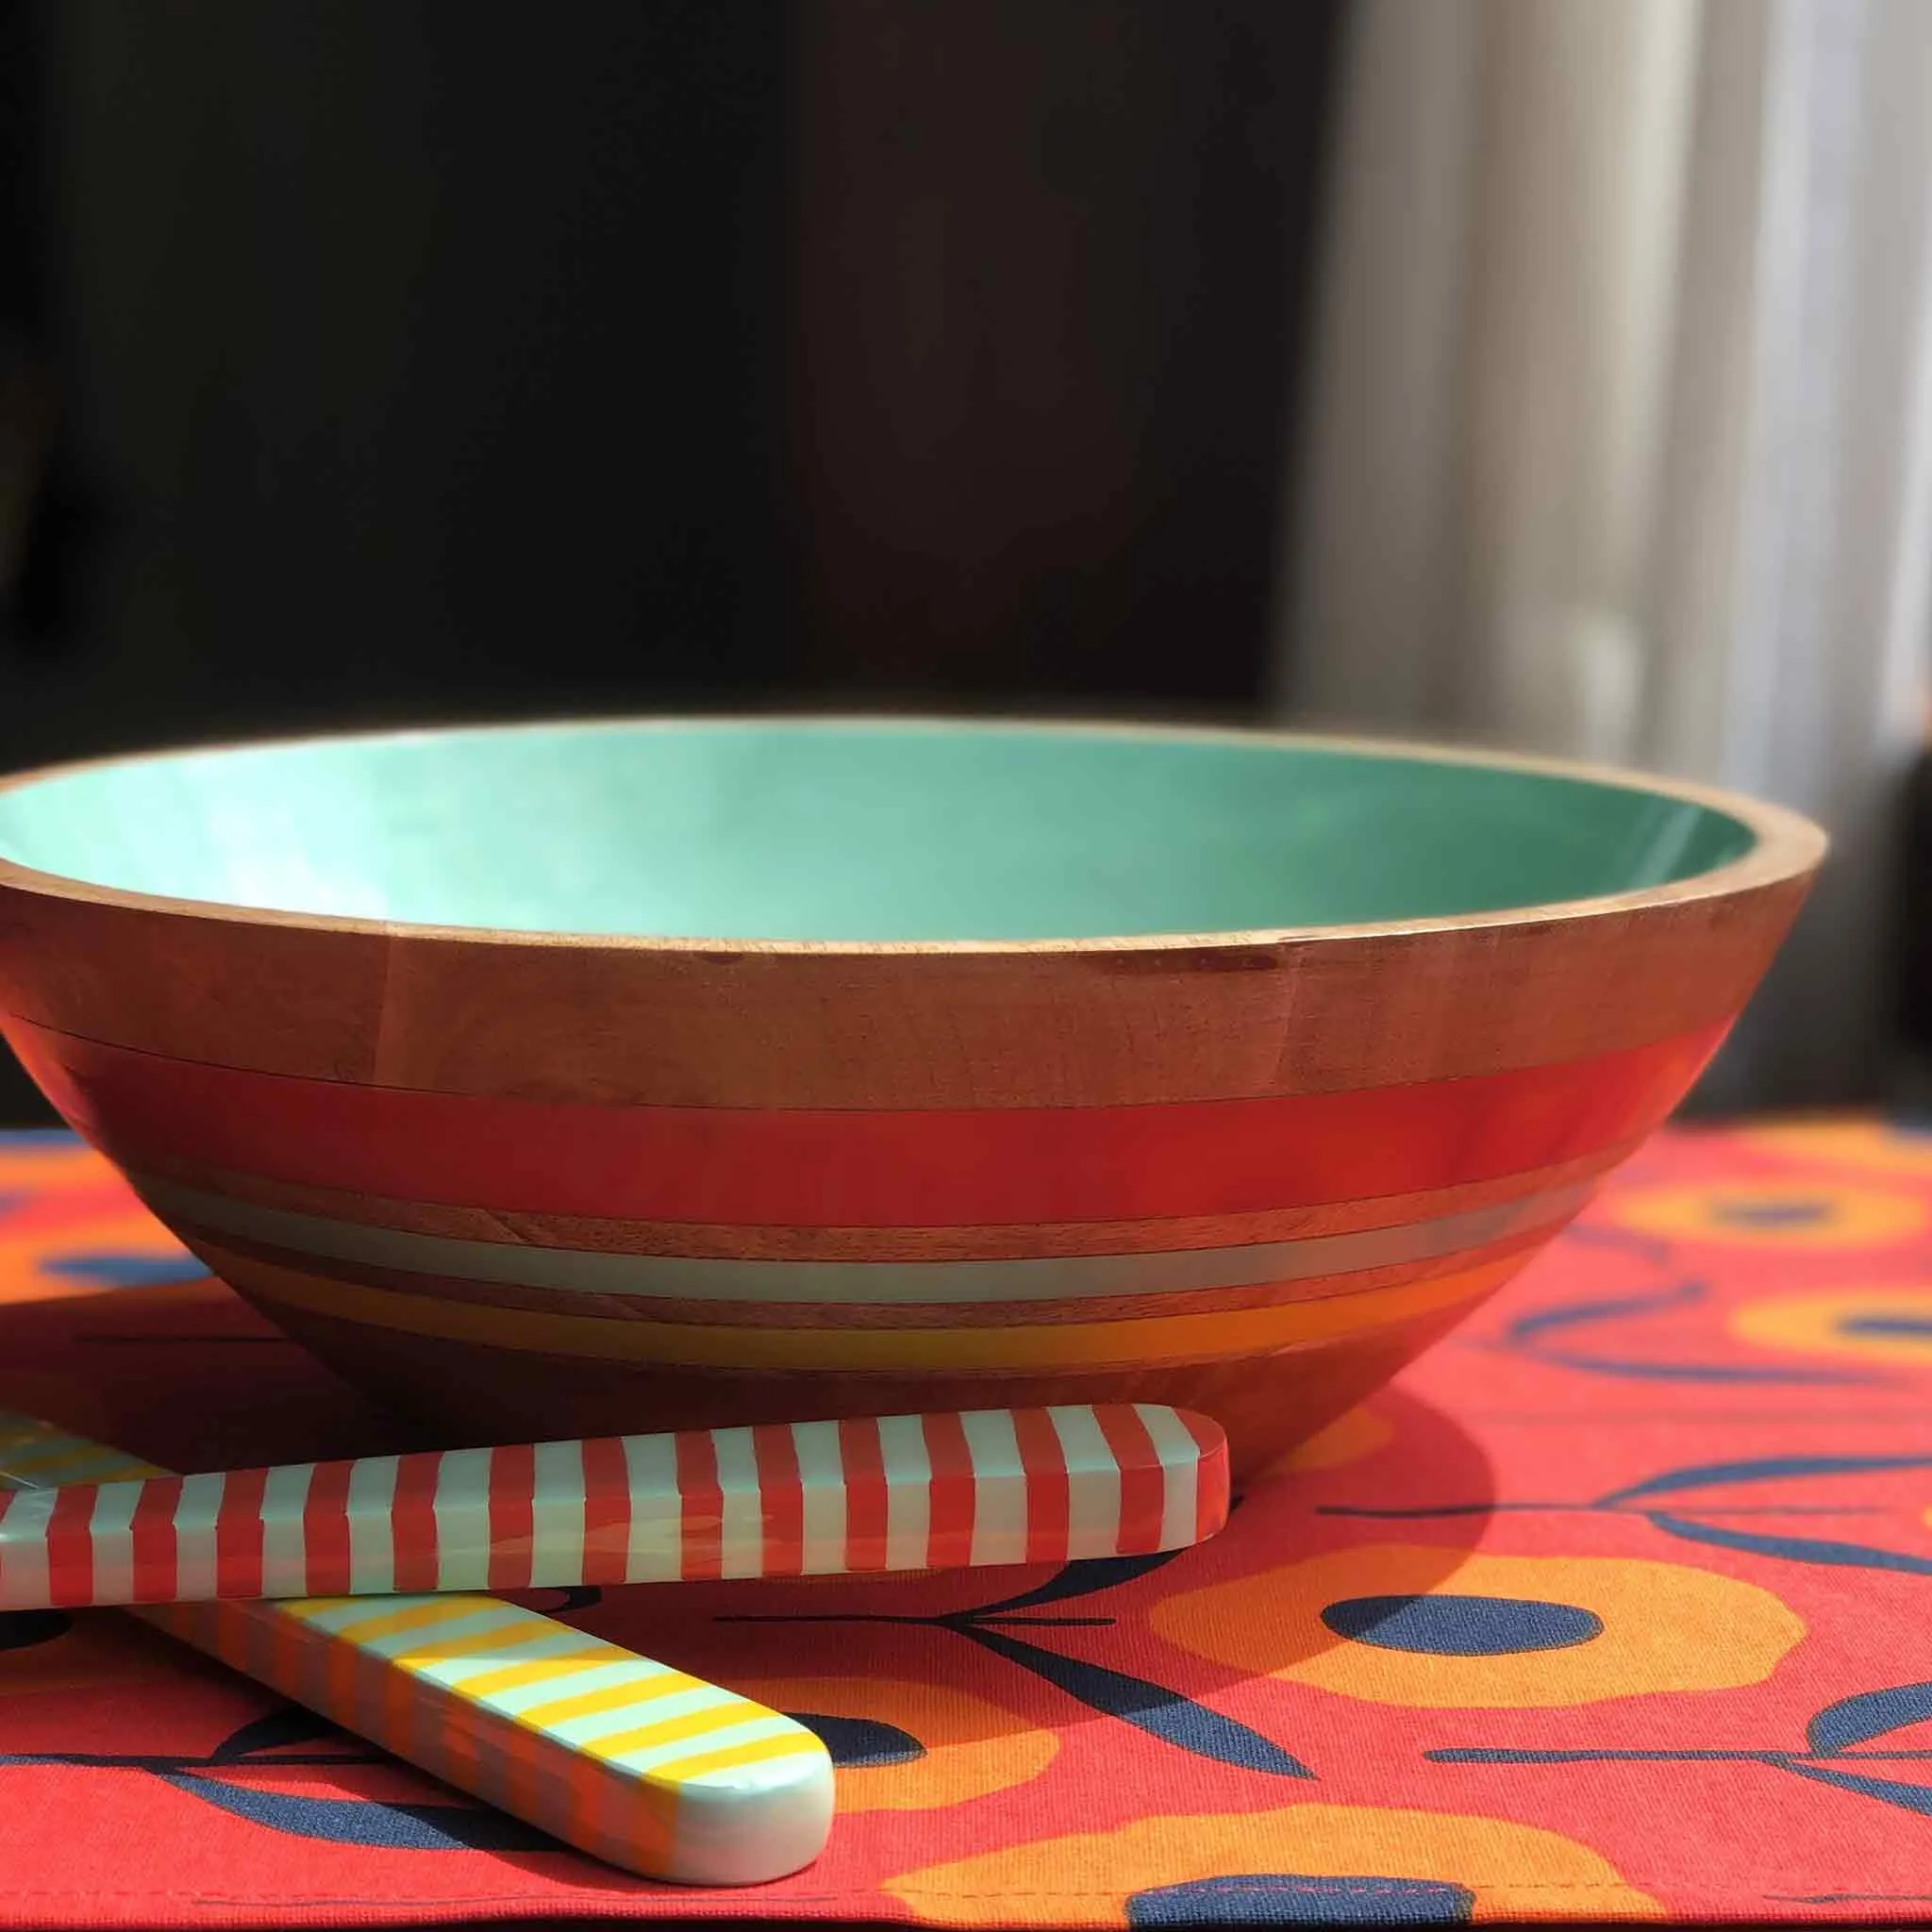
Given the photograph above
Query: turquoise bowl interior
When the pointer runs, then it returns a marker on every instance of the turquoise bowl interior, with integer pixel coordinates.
(853, 831)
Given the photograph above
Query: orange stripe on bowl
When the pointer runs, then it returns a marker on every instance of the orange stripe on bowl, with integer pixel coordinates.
(780, 1241)
(910, 1168)
(1085, 1346)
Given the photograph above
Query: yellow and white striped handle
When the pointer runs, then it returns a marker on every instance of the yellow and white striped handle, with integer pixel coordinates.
(627, 1759)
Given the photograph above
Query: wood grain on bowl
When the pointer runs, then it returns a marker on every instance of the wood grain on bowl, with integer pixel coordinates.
(1037, 1026)
(542, 1183)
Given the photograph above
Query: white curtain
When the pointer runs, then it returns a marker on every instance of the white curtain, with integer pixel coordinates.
(1619, 439)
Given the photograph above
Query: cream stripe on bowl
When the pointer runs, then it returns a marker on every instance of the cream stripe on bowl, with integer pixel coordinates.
(582, 1271)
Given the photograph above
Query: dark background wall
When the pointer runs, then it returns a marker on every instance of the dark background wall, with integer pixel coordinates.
(1049, 267)
(410, 359)
(386, 360)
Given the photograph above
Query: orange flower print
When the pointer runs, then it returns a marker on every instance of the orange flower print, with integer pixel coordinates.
(901, 1746)
(1320, 1863)
(1782, 1214)
(1394, 1624)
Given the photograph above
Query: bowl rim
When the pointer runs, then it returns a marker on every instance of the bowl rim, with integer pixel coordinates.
(1787, 846)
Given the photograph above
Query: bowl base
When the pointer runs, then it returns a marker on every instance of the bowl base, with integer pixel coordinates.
(473, 1394)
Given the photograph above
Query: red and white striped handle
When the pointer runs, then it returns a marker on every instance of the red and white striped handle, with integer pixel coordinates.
(799, 1499)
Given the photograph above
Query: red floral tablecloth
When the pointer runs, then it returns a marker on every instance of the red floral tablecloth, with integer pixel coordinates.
(1619, 1604)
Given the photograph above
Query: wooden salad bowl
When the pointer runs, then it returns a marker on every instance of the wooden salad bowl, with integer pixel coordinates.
(567, 1079)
